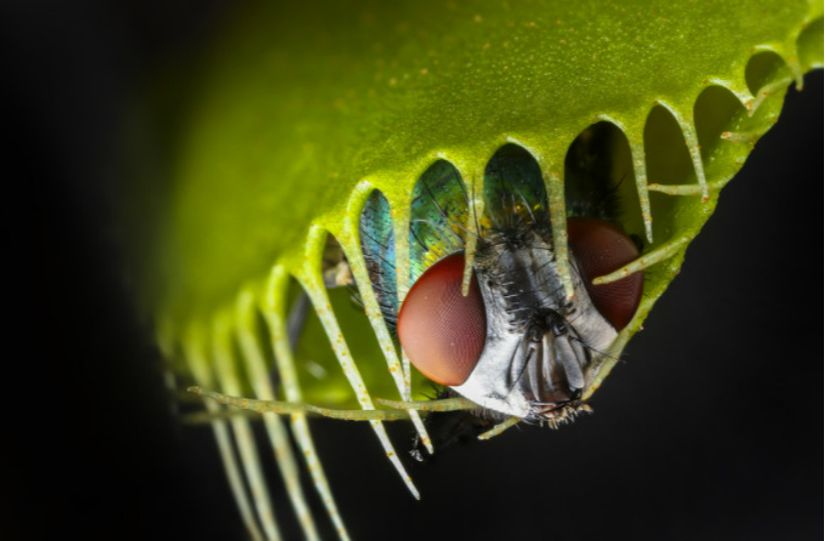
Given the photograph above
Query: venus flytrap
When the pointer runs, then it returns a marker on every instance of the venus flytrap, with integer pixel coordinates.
(304, 112)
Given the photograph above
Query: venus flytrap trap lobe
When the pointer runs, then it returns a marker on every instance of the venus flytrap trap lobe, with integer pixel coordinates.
(364, 100)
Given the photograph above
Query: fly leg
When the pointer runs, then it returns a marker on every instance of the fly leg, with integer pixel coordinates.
(296, 319)
(335, 267)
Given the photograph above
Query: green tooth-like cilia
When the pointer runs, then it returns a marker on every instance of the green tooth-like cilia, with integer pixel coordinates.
(300, 111)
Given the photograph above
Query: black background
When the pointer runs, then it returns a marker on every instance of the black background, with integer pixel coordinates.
(711, 428)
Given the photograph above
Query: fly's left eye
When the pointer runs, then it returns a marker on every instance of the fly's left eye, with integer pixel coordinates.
(440, 330)
(600, 248)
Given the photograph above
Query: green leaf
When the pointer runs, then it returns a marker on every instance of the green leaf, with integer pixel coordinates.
(298, 111)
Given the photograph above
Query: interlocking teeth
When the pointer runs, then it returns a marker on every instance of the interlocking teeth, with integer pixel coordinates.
(231, 354)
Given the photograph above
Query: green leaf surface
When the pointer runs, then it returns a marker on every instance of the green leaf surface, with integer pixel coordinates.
(295, 107)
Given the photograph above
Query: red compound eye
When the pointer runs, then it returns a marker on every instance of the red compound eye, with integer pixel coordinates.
(441, 331)
(599, 249)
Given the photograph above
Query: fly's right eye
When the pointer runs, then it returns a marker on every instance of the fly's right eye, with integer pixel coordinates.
(440, 330)
(600, 248)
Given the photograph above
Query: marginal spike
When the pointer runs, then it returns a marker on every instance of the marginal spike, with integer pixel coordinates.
(692, 142)
(400, 208)
(351, 243)
(259, 379)
(195, 356)
(687, 189)
(554, 184)
(313, 284)
(744, 137)
(649, 259)
(440, 405)
(206, 417)
(476, 203)
(225, 365)
(499, 428)
(637, 152)
(277, 407)
(274, 310)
